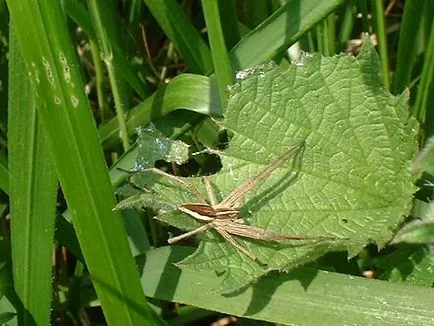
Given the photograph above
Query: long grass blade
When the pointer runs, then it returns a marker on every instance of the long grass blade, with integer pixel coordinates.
(302, 297)
(192, 92)
(32, 197)
(411, 19)
(292, 21)
(180, 31)
(64, 111)
(220, 55)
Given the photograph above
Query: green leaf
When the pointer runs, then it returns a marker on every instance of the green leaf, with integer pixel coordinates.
(280, 30)
(63, 109)
(6, 280)
(108, 37)
(351, 179)
(119, 171)
(411, 264)
(302, 297)
(418, 231)
(65, 234)
(412, 18)
(191, 92)
(33, 191)
(222, 63)
(153, 146)
(425, 158)
(173, 20)
(6, 316)
(77, 11)
(424, 90)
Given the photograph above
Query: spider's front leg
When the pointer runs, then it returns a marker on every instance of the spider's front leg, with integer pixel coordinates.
(200, 229)
(186, 184)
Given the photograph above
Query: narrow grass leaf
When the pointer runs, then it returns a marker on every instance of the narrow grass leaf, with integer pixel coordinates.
(175, 23)
(191, 92)
(407, 264)
(33, 196)
(380, 28)
(346, 28)
(108, 38)
(256, 11)
(81, 16)
(424, 93)
(220, 56)
(6, 280)
(229, 22)
(424, 161)
(302, 297)
(63, 109)
(282, 29)
(65, 235)
(410, 23)
(4, 173)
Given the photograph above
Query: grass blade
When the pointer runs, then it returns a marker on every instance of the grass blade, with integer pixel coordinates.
(282, 29)
(32, 197)
(65, 235)
(256, 11)
(81, 16)
(229, 22)
(64, 111)
(347, 25)
(302, 297)
(331, 33)
(380, 27)
(406, 46)
(181, 32)
(191, 92)
(108, 38)
(421, 107)
(220, 56)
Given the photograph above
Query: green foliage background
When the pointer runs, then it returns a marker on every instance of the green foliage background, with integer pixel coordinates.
(170, 63)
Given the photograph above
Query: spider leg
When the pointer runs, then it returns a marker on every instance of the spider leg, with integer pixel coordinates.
(200, 229)
(209, 191)
(187, 185)
(233, 242)
(236, 196)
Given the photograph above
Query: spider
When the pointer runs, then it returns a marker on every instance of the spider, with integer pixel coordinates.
(224, 217)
